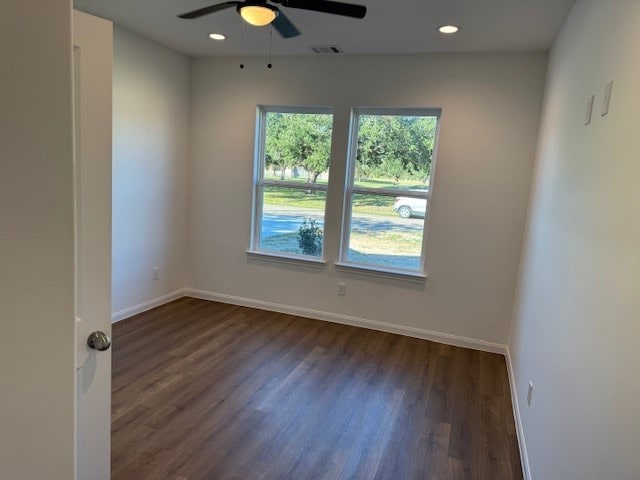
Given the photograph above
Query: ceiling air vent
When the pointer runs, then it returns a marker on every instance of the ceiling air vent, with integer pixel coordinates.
(325, 49)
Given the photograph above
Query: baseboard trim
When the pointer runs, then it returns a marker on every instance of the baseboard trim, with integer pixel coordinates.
(445, 338)
(524, 457)
(148, 305)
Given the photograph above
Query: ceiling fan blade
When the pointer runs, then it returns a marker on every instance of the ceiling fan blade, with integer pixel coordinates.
(326, 6)
(210, 9)
(284, 27)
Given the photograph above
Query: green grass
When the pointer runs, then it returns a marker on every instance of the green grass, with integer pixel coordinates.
(291, 197)
(302, 179)
(369, 183)
(373, 205)
(363, 204)
(368, 243)
(287, 242)
(389, 183)
(386, 242)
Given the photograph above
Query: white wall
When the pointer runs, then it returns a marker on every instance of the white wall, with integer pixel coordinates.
(576, 329)
(491, 110)
(150, 157)
(36, 241)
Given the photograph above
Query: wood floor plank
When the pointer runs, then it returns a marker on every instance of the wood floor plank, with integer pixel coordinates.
(207, 391)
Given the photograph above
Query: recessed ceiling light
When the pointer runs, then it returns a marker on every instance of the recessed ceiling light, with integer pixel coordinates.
(217, 36)
(448, 29)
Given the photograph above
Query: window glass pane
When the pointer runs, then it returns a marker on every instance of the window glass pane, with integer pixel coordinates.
(298, 147)
(395, 151)
(292, 221)
(387, 231)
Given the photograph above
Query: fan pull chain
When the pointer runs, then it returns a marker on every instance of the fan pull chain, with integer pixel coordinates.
(270, 45)
(242, 47)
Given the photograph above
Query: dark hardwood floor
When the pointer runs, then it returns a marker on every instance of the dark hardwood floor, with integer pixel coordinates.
(203, 390)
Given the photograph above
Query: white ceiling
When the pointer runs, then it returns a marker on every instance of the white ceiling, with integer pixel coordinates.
(390, 27)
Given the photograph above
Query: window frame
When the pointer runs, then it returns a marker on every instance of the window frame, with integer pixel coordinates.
(350, 189)
(259, 182)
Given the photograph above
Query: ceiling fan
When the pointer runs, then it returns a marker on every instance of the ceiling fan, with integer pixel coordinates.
(261, 13)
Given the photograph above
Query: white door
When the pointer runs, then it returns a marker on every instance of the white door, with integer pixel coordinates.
(93, 58)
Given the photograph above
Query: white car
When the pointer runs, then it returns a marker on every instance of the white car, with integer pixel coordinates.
(408, 207)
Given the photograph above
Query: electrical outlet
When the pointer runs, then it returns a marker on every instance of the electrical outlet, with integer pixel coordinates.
(530, 393)
(156, 273)
(342, 289)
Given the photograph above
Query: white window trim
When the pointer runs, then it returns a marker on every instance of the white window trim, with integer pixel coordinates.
(377, 271)
(291, 258)
(259, 183)
(350, 189)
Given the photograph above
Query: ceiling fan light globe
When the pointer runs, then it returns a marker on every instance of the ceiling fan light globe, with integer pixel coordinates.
(258, 15)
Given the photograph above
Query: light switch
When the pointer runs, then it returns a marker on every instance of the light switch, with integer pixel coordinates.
(606, 101)
(587, 119)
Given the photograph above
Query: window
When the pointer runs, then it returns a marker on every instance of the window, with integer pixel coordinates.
(387, 194)
(291, 177)
(388, 191)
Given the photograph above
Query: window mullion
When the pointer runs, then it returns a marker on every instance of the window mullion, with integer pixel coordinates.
(349, 186)
(257, 220)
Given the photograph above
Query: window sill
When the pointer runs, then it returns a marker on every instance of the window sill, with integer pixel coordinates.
(290, 259)
(382, 272)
